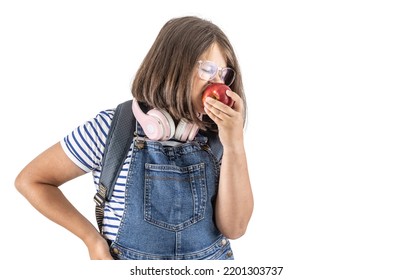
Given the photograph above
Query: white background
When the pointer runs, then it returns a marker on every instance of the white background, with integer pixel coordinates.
(329, 134)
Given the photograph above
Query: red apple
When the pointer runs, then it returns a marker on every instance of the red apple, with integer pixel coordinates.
(218, 92)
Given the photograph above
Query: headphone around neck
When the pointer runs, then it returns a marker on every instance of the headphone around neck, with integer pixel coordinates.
(158, 125)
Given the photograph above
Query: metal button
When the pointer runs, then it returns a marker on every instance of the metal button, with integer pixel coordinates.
(223, 242)
(229, 254)
(116, 251)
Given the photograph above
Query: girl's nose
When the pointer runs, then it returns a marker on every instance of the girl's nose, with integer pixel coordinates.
(217, 78)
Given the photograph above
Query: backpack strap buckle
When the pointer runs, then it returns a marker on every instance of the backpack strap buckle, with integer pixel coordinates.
(100, 195)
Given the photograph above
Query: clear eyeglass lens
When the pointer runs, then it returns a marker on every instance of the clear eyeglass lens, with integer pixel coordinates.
(228, 76)
(208, 70)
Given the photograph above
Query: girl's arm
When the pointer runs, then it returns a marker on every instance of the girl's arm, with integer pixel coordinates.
(234, 202)
(38, 182)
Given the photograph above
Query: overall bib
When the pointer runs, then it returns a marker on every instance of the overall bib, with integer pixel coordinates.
(169, 202)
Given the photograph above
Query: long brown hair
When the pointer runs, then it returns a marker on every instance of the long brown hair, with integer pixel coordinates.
(165, 77)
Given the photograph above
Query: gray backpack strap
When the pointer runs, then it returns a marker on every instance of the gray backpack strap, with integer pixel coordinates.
(118, 142)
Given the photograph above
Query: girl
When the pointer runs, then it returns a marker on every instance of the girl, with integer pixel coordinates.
(175, 198)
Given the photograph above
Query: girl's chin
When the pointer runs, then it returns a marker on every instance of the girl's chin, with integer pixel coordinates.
(200, 109)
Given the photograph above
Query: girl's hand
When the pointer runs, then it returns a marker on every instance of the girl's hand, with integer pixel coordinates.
(99, 249)
(230, 121)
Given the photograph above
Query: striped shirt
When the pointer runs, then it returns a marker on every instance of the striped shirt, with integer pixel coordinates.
(85, 146)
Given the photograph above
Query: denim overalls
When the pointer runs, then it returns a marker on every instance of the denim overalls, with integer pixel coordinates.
(169, 204)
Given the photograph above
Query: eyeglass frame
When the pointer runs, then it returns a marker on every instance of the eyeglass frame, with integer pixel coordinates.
(219, 70)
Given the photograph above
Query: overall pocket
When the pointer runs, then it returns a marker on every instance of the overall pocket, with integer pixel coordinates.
(175, 197)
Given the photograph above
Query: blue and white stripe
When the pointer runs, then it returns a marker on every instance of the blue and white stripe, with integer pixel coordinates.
(85, 146)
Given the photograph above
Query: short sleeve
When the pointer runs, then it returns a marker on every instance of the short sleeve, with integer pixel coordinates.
(85, 145)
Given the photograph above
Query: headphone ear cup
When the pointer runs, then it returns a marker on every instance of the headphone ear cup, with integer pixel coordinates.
(193, 132)
(150, 124)
(185, 131)
(166, 124)
(171, 123)
(157, 124)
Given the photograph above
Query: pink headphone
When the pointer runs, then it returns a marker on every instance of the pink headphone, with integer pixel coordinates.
(158, 125)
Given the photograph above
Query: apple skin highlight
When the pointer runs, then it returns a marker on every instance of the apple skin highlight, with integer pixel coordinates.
(218, 92)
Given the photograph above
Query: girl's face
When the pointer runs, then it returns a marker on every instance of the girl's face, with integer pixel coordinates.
(214, 55)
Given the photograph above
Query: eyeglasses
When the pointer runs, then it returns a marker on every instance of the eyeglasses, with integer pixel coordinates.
(208, 70)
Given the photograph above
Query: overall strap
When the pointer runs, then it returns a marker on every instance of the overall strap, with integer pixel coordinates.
(118, 142)
(215, 145)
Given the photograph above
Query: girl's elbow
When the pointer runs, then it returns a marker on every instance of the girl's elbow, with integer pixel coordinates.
(234, 235)
(19, 183)
(22, 183)
(234, 232)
